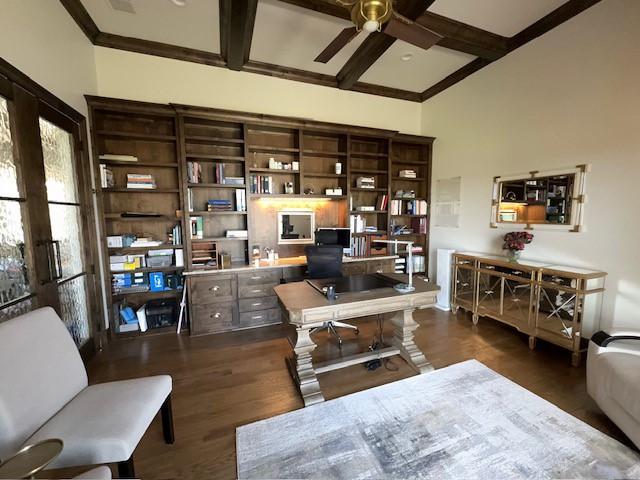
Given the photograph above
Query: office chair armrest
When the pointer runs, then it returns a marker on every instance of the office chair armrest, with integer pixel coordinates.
(603, 339)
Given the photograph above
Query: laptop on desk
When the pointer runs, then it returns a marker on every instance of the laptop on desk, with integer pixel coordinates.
(353, 283)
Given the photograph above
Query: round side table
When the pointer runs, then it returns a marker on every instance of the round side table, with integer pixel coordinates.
(31, 459)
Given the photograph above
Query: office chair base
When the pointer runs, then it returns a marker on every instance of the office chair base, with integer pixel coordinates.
(404, 288)
(331, 328)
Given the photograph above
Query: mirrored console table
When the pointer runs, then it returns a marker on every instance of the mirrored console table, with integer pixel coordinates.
(559, 304)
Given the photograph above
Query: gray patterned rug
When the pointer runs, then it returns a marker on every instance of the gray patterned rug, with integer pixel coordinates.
(461, 422)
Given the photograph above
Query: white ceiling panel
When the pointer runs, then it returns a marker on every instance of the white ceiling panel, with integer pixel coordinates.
(292, 37)
(504, 17)
(195, 25)
(425, 68)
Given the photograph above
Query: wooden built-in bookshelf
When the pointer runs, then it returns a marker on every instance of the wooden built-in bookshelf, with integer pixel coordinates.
(167, 138)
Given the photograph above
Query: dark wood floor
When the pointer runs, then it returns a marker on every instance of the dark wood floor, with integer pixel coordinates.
(223, 381)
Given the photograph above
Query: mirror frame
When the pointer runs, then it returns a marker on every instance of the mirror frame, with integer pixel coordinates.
(577, 204)
(297, 241)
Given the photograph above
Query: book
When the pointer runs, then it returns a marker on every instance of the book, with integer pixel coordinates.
(241, 200)
(194, 172)
(106, 177)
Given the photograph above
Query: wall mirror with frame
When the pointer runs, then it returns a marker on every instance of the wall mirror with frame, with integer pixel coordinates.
(296, 227)
(540, 199)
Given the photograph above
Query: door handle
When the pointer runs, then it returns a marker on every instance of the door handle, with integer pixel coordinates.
(58, 259)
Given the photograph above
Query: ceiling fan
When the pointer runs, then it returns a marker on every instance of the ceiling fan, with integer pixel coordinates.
(370, 16)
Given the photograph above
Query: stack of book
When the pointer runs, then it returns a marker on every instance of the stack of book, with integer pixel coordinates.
(407, 174)
(261, 184)
(218, 205)
(366, 182)
(106, 177)
(194, 172)
(139, 180)
(400, 265)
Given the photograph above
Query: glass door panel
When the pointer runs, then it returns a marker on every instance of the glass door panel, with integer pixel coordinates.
(465, 286)
(66, 229)
(517, 301)
(15, 290)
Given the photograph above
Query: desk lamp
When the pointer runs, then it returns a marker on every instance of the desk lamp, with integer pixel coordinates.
(403, 287)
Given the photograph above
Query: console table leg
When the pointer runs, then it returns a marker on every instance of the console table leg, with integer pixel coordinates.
(532, 342)
(306, 375)
(403, 327)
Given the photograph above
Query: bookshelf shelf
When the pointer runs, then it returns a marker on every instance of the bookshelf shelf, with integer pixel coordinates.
(148, 270)
(215, 185)
(147, 295)
(267, 148)
(324, 175)
(120, 163)
(367, 212)
(136, 136)
(117, 217)
(141, 190)
(125, 250)
(218, 239)
(369, 171)
(223, 212)
(214, 157)
(324, 153)
(274, 171)
(369, 154)
(214, 140)
(408, 215)
(372, 190)
(406, 179)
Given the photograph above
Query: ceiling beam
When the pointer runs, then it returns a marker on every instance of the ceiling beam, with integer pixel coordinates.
(82, 18)
(237, 19)
(465, 38)
(375, 45)
(560, 15)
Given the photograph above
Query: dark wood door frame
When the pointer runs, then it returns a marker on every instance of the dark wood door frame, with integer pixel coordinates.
(29, 102)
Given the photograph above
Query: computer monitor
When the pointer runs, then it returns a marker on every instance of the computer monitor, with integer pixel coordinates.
(334, 236)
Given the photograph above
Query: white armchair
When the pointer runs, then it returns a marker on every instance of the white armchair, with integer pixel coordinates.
(45, 394)
(613, 378)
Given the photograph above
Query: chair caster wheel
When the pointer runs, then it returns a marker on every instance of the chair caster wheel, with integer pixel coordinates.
(340, 344)
(357, 331)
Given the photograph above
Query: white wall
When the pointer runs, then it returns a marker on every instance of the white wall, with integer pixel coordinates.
(40, 38)
(568, 98)
(141, 77)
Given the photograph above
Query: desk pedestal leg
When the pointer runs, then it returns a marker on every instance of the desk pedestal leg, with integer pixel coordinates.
(403, 327)
(307, 380)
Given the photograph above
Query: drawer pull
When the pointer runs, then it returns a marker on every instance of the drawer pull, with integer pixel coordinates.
(215, 288)
(257, 277)
(256, 304)
(490, 267)
(488, 292)
(256, 317)
(256, 291)
(215, 315)
(465, 284)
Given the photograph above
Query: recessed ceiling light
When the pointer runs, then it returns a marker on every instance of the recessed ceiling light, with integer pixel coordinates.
(179, 3)
(406, 57)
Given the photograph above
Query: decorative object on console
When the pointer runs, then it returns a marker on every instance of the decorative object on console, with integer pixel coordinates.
(366, 182)
(514, 243)
(288, 188)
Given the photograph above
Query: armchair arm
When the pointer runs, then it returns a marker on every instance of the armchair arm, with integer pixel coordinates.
(603, 339)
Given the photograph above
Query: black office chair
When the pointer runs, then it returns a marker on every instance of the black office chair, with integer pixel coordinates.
(325, 261)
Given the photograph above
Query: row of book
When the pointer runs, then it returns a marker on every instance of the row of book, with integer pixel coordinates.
(106, 177)
(223, 179)
(217, 204)
(194, 172)
(358, 224)
(261, 184)
(409, 207)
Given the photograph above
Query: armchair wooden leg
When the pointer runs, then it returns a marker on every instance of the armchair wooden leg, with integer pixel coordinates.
(167, 421)
(125, 469)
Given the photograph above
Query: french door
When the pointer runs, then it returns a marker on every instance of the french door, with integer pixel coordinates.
(46, 229)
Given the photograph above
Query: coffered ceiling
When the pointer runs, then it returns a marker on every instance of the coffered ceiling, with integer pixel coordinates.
(282, 37)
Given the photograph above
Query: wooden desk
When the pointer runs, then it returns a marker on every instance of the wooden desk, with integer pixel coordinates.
(307, 308)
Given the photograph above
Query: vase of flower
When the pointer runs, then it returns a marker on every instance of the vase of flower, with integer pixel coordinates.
(514, 243)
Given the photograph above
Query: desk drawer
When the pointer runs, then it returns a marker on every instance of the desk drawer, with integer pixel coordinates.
(254, 291)
(219, 317)
(215, 289)
(263, 317)
(255, 304)
(260, 277)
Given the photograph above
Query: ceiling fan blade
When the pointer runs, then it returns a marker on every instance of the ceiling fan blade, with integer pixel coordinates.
(337, 44)
(404, 29)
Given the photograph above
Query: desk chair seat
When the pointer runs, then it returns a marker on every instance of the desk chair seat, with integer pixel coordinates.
(325, 261)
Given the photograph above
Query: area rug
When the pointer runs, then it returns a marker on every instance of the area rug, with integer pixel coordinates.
(460, 422)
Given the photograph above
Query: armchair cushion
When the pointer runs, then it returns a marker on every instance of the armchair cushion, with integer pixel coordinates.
(98, 473)
(623, 381)
(105, 422)
(41, 371)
